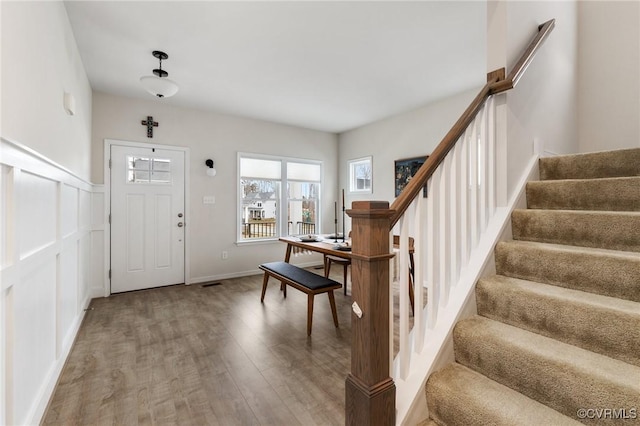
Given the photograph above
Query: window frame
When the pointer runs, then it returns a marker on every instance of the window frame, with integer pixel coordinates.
(150, 170)
(282, 195)
(353, 164)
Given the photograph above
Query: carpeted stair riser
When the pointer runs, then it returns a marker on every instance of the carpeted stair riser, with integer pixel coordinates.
(607, 272)
(609, 230)
(560, 323)
(601, 324)
(613, 194)
(561, 376)
(457, 395)
(625, 162)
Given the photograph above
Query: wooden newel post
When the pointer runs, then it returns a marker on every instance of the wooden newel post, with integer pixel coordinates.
(370, 392)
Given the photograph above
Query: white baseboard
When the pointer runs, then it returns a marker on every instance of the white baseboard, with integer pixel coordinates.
(198, 280)
(95, 293)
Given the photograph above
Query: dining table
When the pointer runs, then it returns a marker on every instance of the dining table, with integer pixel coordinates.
(327, 245)
(320, 244)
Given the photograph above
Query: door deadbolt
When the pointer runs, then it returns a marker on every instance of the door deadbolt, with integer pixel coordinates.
(179, 214)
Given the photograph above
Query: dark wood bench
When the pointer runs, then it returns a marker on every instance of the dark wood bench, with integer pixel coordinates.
(303, 280)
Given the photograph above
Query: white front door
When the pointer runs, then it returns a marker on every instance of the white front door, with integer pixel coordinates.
(147, 217)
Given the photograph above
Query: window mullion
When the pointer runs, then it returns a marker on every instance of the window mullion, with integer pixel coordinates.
(302, 209)
(284, 201)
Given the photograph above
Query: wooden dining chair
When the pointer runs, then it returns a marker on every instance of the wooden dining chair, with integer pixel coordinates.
(329, 259)
(412, 268)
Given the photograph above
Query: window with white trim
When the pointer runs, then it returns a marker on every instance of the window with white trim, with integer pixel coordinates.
(360, 175)
(278, 196)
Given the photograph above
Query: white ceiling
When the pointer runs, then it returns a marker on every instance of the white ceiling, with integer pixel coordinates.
(330, 66)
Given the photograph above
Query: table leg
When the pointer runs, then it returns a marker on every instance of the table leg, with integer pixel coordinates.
(287, 255)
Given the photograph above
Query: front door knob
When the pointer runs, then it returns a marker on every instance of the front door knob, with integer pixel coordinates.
(180, 224)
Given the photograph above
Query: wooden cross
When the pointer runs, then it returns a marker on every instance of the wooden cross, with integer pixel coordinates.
(150, 125)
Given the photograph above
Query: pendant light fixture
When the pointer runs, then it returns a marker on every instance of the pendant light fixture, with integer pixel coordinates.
(158, 84)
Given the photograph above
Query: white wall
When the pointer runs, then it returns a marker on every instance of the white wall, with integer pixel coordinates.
(609, 75)
(412, 134)
(40, 63)
(219, 137)
(409, 134)
(45, 201)
(544, 104)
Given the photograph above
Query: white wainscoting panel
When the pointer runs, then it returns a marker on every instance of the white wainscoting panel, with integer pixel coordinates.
(6, 175)
(84, 277)
(34, 343)
(37, 200)
(69, 210)
(47, 228)
(98, 245)
(68, 268)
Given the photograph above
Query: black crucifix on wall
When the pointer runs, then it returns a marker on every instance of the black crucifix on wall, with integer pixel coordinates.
(150, 125)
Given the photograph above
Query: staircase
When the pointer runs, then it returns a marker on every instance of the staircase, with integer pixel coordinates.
(557, 336)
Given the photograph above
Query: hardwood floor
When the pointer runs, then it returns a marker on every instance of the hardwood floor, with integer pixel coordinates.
(206, 355)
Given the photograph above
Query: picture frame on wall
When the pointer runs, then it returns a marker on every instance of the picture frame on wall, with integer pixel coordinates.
(361, 175)
(405, 169)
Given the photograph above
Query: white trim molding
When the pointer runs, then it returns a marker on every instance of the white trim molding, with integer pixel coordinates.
(46, 277)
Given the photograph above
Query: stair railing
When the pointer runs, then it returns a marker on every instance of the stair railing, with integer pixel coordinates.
(465, 183)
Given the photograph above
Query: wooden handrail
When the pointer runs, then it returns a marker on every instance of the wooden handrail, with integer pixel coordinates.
(521, 66)
(495, 84)
(419, 180)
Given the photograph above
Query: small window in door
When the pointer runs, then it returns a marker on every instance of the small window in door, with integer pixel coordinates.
(148, 170)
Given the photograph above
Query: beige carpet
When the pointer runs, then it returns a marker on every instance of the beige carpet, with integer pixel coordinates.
(557, 336)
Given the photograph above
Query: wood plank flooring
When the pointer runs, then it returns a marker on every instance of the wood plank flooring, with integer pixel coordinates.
(194, 355)
(206, 356)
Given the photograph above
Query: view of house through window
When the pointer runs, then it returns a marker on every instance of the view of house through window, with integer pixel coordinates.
(302, 206)
(266, 211)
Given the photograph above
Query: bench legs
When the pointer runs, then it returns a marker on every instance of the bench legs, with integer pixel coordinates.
(310, 299)
(309, 313)
(264, 286)
(334, 312)
(283, 287)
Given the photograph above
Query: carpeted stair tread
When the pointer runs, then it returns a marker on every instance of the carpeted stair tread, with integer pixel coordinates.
(609, 230)
(457, 395)
(561, 376)
(622, 162)
(607, 272)
(612, 194)
(605, 325)
(560, 323)
(427, 422)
